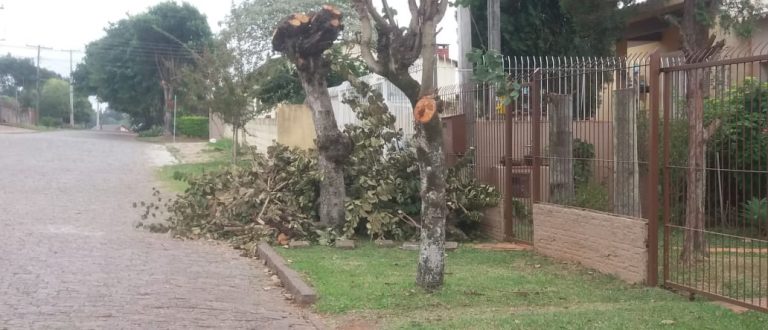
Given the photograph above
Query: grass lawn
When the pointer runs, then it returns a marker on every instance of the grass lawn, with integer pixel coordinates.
(495, 290)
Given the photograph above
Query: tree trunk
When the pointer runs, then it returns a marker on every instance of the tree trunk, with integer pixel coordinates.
(333, 147)
(168, 111)
(695, 244)
(561, 149)
(304, 38)
(698, 46)
(429, 155)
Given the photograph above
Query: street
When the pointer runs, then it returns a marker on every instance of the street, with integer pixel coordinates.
(70, 256)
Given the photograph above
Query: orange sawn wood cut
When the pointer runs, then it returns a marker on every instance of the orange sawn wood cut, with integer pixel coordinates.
(425, 109)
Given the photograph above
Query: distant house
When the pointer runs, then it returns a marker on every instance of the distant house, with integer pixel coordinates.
(648, 29)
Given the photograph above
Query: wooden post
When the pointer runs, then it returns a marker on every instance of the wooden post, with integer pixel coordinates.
(561, 187)
(626, 176)
(465, 73)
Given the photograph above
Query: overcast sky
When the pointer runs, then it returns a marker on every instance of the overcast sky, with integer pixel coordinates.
(71, 24)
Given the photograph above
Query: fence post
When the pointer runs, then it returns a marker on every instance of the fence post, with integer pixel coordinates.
(626, 183)
(536, 136)
(561, 188)
(653, 170)
(509, 219)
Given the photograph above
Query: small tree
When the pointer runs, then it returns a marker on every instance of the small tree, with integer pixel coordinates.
(392, 53)
(303, 39)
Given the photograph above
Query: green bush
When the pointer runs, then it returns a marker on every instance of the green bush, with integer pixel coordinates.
(192, 126)
(151, 132)
(50, 122)
(755, 212)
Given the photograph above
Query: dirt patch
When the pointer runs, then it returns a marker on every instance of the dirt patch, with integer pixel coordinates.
(738, 250)
(353, 322)
(191, 152)
(761, 302)
(13, 130)
(502, 246)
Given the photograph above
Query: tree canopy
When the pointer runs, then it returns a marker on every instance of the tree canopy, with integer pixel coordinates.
(20, 75)
(128, 66)
(54, 103)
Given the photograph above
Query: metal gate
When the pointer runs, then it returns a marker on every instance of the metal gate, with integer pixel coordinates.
(714, 232)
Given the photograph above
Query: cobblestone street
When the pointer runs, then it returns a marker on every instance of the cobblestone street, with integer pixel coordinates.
(70, 257)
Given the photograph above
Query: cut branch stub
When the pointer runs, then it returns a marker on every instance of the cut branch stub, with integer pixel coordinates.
(425, 109)
(304, 35)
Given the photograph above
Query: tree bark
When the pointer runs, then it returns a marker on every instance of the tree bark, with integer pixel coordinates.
(561, 149)
(694, 242)
(304, 39)
(698, 46)
(332, 145)
(429, 154)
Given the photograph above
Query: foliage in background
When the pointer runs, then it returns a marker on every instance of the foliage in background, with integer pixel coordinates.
(122, 68)
(18, 77)
(192, 126)
(755, 213)
(584, 155)
(153, 131)
(740, 141)
(54, 103)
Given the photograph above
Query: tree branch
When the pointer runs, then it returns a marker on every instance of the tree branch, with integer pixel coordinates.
(390, 13)
(366, 38)
(376, 16)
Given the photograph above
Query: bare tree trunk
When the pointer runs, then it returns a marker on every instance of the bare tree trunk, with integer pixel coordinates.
(303, 38)
(429, 154)
(561, 148)
(698, 46)
(168, 111)
(333, 147)
(695, 244)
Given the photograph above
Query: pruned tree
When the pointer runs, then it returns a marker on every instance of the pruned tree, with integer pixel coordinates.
(303, 38)
(390, 54)
(698, 28)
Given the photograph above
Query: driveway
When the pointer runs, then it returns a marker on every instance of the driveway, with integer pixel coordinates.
(70, 257)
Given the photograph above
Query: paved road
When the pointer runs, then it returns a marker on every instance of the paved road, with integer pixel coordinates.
(71, 259)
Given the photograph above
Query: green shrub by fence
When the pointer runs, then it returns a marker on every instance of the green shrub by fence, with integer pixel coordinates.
(192, 126)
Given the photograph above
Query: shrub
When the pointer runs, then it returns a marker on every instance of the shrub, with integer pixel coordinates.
(192, 126)
(584, 153)
(152, 132)
(755, 212)
(50, 122)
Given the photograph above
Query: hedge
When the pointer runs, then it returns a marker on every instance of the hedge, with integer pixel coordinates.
(193, 126)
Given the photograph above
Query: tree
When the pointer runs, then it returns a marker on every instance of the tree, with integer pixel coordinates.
(254, 21)
(54, 103)
(18, 77)
(697, 29)
(551, 27)
(303, 39)
(390, 55)
(136, 67)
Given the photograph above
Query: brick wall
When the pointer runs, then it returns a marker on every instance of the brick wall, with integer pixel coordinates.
(607, 243)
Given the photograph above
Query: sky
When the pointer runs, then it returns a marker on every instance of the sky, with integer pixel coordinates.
(71, 24)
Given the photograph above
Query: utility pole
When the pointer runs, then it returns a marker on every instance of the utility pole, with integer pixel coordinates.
(494, 47)
(98, 113)
(71, 93)
(37, 83)
(494, 25)
(174, 118)
(464, 18)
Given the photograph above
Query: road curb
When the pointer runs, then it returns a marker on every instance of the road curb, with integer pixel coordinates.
(303, 294)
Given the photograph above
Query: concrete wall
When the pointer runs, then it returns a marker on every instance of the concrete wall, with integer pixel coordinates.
(610, 244)
(295, 126)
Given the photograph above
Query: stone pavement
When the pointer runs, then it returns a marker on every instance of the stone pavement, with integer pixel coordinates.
(71, 259)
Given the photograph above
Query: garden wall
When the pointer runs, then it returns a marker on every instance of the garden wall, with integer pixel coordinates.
(608, 243)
